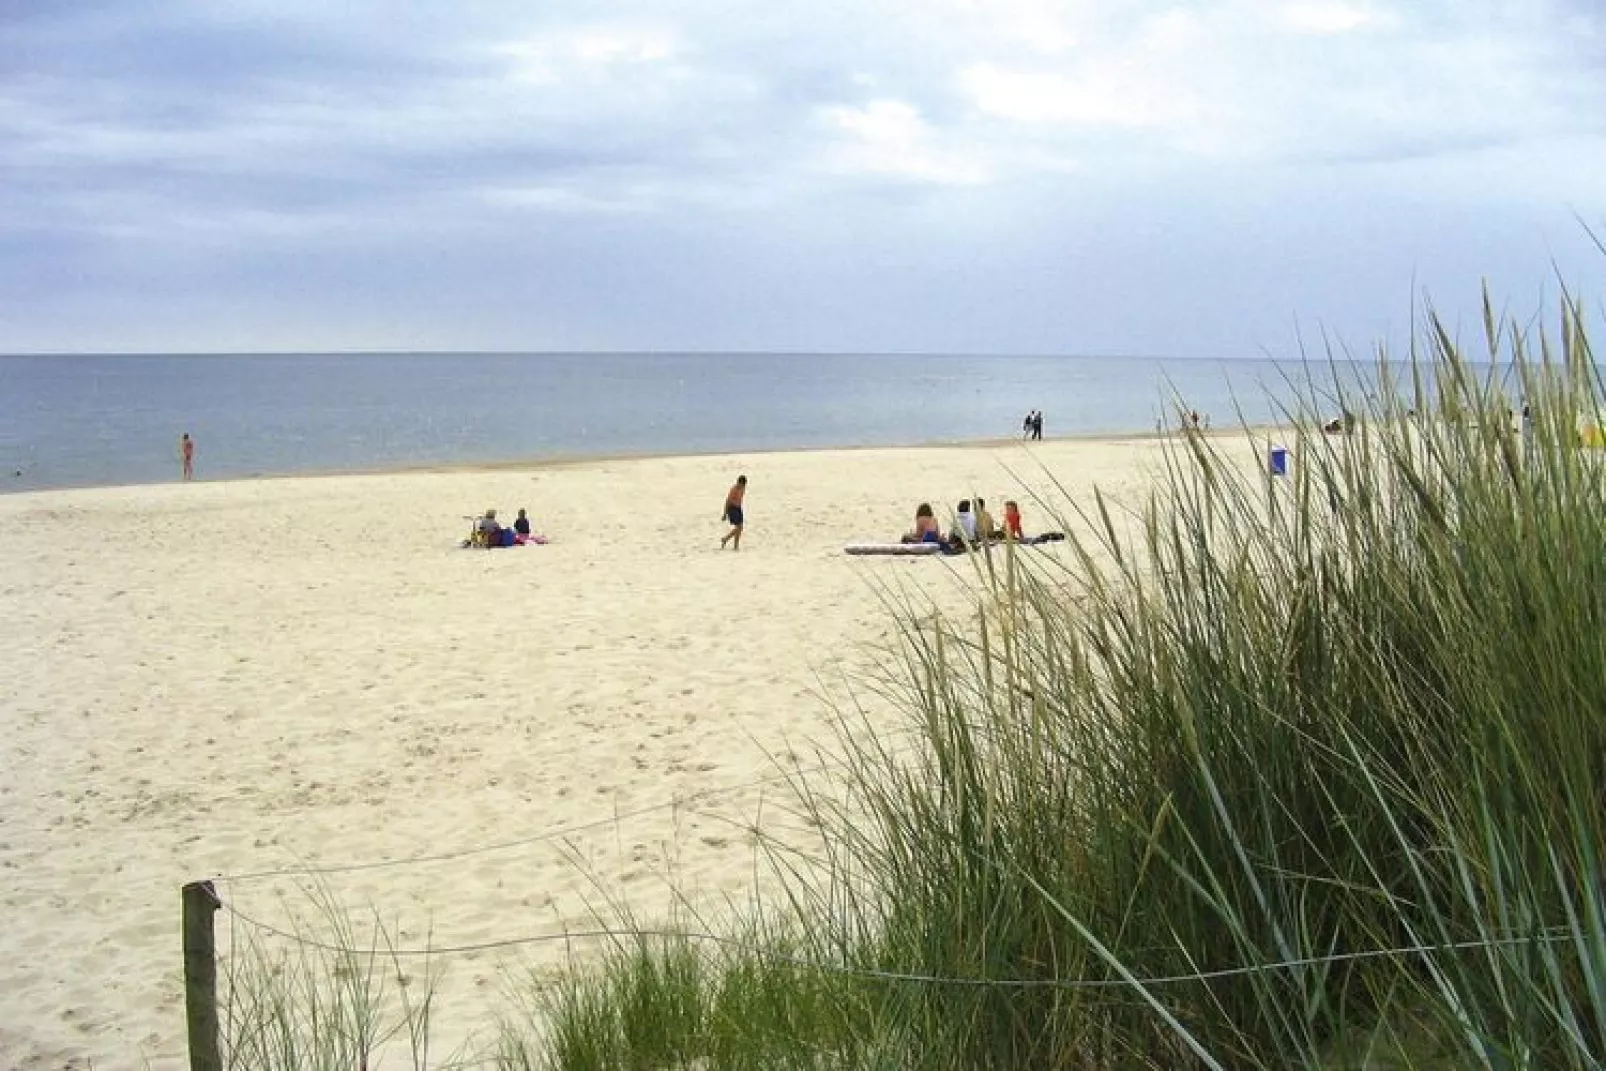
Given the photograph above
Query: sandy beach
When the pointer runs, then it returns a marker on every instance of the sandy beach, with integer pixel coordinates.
(220, 679)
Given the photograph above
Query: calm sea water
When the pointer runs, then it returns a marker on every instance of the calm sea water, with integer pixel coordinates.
(95, 420)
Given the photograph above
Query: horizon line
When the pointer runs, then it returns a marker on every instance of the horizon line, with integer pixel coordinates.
(972, 354)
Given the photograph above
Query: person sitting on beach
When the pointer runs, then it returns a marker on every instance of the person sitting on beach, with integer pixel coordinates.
(1012, 528)
(487, 533)
(986, 529)
(926, 528)
(964, 531)
(521, 524)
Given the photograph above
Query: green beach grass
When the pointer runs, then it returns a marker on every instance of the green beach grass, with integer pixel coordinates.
(1302, 771)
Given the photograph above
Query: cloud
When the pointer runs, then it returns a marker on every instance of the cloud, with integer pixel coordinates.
(591, 54)
(1111, 96)
(889, 137)
(687, 92)
(1245, 81)
(1326, 19)
(240, 135)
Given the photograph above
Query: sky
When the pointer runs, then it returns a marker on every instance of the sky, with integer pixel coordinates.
(1224, 178)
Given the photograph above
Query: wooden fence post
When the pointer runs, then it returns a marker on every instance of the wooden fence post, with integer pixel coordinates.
(200, 976)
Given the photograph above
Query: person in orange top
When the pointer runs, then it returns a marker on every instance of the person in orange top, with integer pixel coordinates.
(1012, 520)
(733, 513)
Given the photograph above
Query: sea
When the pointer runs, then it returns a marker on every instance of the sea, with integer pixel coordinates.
(77, 421)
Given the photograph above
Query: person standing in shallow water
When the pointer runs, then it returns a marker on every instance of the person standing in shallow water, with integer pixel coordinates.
(186, 453)
(733, 513)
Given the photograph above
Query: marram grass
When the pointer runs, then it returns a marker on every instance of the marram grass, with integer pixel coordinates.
(1311, 775)
(1302, 771)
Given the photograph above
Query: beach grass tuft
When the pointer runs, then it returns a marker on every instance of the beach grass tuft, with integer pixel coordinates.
(336, 995)
(1299, 770)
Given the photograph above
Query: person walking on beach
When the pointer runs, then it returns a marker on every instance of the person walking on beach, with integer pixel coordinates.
(733, 513)
(1026, 425)
(186, 451)
(1037, 424)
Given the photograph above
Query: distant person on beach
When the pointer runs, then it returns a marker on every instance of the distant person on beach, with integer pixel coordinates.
(733, 513)
(521, 524)
(926, 528)
(1037, 424)
(186, 452)
(1012, 520)
(1026, 425)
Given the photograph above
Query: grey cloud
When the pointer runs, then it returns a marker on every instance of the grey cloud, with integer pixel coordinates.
(251, 170)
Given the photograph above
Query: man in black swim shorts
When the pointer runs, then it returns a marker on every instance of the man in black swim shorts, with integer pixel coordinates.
(733, 513)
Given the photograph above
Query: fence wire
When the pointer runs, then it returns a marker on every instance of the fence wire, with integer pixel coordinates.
(701, 796)
(873, 974)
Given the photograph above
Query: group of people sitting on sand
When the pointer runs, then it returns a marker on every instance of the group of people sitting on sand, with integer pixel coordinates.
(971, 526)
(488, 532)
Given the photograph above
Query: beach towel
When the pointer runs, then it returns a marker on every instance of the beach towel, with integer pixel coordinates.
(509, 538)
(893, 548)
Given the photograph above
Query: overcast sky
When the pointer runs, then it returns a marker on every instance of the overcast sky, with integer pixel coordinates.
(988, 176)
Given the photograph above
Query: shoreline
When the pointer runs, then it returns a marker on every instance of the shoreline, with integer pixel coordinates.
(555, 462)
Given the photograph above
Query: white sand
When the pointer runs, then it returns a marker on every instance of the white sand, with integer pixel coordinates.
(221, 678)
